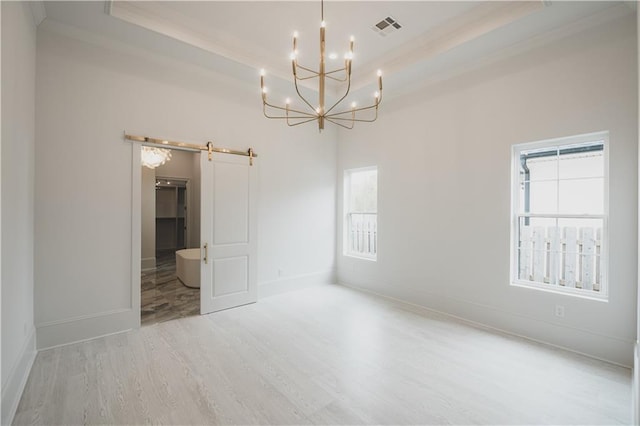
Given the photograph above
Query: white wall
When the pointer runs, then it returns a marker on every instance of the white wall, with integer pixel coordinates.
(443, 157)
(89, 91)
(18, 133)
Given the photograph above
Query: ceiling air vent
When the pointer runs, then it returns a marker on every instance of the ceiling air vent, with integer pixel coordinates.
(386, 26)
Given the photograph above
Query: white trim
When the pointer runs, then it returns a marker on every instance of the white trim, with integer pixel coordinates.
(473, 24)
(56, 333)
(360, 256)
(611, 349)
(108, 6)
(298, 282)
(38, 11)
(561, 290)
(17, 379)
(635, 401)
(136, 233)
(561, 215)
(602, 135)
(148, 263)
(2, 419)
(635, 391)
(88, 339)
(81, 318)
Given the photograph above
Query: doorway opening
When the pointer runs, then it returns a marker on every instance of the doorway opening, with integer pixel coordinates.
(170, 239)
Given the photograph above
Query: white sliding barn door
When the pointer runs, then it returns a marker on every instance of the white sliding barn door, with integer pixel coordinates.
(228, 228)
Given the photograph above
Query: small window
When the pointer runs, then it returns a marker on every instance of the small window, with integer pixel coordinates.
(361, 212)
(559, 230)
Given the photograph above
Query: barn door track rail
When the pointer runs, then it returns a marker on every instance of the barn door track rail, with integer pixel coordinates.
(192, 147)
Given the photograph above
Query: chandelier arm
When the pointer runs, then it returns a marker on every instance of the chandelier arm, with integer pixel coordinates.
(340, 124)
(301, 122)
(336, 70)
(335, 114)
(289, 109)
(342, 98)
(344, 69)
(306, 69)
(346, 75)
(359, 120)
(304, 116)
(341, 80)
(365, 120)
(371, 120)
(306, 78)
(284, 117)
(302, 97)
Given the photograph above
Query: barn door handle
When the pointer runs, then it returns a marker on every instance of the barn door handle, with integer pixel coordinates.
(206, 253)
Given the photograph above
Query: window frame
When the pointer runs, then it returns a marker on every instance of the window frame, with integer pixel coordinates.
(346, 222)
(516, 215)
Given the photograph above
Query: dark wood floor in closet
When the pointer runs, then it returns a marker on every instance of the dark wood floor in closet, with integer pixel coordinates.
(164, 297)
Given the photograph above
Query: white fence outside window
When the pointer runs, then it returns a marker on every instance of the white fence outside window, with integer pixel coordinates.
(363, 234)
(569, 257)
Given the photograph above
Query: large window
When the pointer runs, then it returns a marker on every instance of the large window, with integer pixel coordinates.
(559, 199)
(361, 212)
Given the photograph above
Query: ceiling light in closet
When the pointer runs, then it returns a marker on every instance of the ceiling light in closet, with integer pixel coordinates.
(153, 157)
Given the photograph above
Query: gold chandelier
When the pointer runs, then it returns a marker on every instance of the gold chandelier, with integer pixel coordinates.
(344, 117)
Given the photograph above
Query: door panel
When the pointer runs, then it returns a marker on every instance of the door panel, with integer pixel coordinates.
(228, 228)
(231, 275)
(231, 203)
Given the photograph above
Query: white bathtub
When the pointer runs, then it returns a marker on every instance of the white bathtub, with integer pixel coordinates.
(188, 267)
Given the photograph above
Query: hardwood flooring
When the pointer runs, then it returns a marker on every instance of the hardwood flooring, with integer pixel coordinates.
(325, 355)
(163, 296)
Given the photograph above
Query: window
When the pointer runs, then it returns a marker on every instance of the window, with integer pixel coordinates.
(361, 212)
(559, 200)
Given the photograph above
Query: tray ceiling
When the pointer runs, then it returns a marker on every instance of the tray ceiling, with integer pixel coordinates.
(435, 38)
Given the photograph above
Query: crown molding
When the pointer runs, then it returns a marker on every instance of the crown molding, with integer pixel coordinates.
(157, 21)
(478, 21)
(37, 11)
(604, 17)
(456, 32)
(481, 20)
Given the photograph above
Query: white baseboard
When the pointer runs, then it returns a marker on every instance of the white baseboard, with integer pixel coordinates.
(148, 263)
(56, 333)
(635, 403)
(298, 282)
(12, 391)
(584, 342)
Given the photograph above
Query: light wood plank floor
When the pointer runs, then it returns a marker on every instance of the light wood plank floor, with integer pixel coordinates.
(326, 355)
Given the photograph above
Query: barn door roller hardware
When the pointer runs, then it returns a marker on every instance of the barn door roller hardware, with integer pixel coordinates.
(191, 146)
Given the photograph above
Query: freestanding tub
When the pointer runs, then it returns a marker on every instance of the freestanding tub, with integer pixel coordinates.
(188, 267)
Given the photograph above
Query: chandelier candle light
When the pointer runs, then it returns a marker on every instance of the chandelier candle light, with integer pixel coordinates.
(346, 117)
